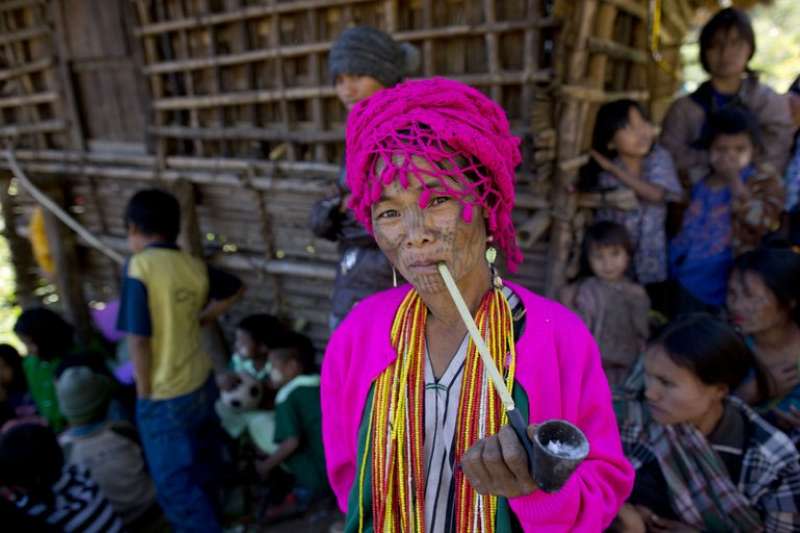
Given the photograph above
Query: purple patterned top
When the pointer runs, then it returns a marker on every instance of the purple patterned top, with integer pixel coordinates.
(646, 224)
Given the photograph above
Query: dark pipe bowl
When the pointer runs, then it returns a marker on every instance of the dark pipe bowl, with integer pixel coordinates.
(550, 470)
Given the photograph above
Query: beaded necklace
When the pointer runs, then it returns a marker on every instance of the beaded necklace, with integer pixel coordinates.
(396, 428)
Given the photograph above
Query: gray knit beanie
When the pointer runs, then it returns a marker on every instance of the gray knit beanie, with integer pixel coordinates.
(83, 395)
(370, 52)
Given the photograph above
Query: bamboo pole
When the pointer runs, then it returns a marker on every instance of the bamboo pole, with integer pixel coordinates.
(58, 212)
(63, 248)
(297, 50)
(616, 50)
(45, 97)
(298, 93)
(249, 12)
(22, 260)
(23, 35)
(28, 68)
(47, 126)
(569, 136)
(76, 131)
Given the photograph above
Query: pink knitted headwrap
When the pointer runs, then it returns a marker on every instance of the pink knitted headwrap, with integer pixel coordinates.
(458, 132)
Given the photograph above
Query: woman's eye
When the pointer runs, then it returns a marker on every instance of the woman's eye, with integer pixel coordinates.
(438, 200)
(389, 213)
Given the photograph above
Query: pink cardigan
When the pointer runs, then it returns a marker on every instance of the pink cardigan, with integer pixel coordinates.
(558, 367)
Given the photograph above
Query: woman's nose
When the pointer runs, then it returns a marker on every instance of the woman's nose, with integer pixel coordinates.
(417, 232)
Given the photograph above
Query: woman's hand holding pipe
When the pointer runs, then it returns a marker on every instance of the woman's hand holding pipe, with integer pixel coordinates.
(498, 465)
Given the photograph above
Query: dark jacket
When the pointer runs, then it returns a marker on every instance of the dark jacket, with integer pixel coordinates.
(363, 269)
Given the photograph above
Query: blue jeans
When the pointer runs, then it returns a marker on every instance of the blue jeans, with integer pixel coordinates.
(181, 440)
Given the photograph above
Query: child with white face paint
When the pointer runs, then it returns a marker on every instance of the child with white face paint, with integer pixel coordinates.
(298, 419)
(731, 210)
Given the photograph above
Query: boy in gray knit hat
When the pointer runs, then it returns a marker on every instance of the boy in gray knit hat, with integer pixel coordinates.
(108, 449)
(362, 61)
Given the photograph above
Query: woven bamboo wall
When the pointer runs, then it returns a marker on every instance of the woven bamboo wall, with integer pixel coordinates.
(31, 108)
(228, 102)
(248, 81)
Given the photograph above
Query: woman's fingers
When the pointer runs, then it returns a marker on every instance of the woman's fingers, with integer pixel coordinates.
(516, 459)
(498, 465)
(474, 469)
(503, 482)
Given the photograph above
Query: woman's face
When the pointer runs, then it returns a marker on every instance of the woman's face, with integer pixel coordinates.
(675, 394)
(635, 139)
(351, 88)
(727, 54)
(752, 306)
(416, 239)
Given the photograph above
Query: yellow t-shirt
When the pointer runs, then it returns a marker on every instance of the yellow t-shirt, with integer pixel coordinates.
(164, 291)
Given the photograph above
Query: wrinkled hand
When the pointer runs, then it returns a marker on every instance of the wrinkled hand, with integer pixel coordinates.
(498, 465)
(227, 381)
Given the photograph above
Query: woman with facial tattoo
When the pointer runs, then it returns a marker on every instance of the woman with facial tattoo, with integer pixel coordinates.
(415, 435)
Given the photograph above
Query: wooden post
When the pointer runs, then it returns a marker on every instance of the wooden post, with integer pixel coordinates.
(63, 247)
(569, 139)
(191, 240)
(21, 255)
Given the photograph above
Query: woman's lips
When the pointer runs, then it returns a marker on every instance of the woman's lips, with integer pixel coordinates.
(424, 267)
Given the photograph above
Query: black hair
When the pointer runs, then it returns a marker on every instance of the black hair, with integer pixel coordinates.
(298, 347)
(30, 457)
(611, 117)
(711, 350)
(795, 86)
(266, 330)
(155, 212)
(779, 269)
(52, 335)
(726, 20)
(733, 120)
(603, 233)
(12, 359)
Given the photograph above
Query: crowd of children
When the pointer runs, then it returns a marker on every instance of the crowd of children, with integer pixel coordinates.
(708, 258)
(691, 289)
(152, 457)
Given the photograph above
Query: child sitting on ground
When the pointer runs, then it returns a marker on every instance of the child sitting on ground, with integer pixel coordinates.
(297, 425)
(626, 158)
(109, 450)
(614, 308)
(731, 210)
(36, 480)
(256, 336)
